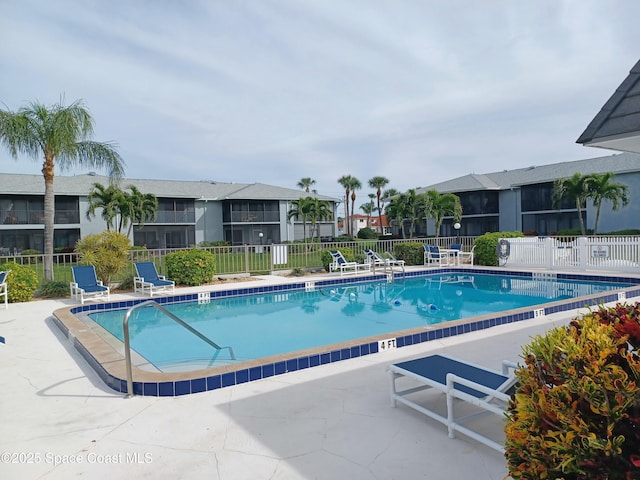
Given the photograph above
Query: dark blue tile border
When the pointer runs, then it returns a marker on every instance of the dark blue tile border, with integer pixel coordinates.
(196, 385)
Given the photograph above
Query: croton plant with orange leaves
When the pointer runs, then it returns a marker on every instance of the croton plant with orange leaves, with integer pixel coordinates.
(576, 411)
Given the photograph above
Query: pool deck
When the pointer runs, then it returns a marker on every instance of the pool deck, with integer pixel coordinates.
(59, 420)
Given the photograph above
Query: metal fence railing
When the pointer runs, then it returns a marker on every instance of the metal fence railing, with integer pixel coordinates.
(241, 259)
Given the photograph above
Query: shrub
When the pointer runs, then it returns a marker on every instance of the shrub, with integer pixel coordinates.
(191, 267)
(29, 252)
(298, 272)
(576, 412)
(486, 245)
(367, 233)
(22, 282)
(126, 283)
(54, 289)
(107, 252)
(412, 253)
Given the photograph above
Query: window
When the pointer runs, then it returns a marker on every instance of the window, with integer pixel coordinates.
(479, 203)
(539, 197)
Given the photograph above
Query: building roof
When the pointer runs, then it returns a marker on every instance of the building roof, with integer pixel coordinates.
(19, 184)
(507, 179)
(617, 124)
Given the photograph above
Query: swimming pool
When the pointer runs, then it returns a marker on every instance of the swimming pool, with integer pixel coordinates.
(106, 355)
(286, 322)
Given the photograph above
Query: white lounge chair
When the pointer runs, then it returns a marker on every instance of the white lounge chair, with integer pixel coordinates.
(487, 389)
(86, 284)
(387, 263)
(4, 288)
(460, 255)
(340, 264)
(147, 279)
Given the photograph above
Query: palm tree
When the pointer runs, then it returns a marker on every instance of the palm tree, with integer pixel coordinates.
(143, 207)
(379, 183)
(367, 209)
(355, 185)
(345, 181)
(61, 134)
(319, 210)
(440, 205)
(306, 183)
(396, 209)
(574, 188)
(601, 187)
(415, 208)
(300, 209)
(109, 199)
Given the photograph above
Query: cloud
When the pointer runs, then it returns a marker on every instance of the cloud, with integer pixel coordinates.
(274, 91)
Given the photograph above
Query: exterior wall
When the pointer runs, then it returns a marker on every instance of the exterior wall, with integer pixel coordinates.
(625, 217)
(208, 221)
(287, 228)
(510, 211)
(92, 226)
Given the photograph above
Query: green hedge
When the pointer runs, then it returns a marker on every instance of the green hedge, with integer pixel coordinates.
(486, 245)
(191, 267)
(412, 253)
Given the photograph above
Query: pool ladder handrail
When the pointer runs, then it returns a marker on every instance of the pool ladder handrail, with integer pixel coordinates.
(127, 343)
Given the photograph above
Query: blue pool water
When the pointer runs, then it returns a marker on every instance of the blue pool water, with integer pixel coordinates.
(257, 326)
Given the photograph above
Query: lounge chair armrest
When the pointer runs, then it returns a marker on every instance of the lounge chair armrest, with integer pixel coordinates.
(162, 277)
(508, 365)
(453, 379)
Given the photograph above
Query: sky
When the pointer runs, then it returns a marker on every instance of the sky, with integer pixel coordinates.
(272, 91)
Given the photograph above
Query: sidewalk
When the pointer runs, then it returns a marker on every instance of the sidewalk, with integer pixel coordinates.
(331, 422)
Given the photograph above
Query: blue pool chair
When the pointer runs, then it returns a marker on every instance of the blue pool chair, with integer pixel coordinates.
(487, 389)
(86, 284)
(4, 288)
(147, 279)
(460, 255)
(433, 255)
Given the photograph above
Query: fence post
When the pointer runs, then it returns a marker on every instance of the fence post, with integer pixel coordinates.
(583, 252)
(549, 257)
(246, 257)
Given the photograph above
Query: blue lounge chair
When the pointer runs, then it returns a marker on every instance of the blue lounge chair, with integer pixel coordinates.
(86, 284)
(147, 279)
(4, 288)
(458, 380)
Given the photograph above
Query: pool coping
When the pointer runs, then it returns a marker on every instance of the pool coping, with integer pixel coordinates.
(110, 364)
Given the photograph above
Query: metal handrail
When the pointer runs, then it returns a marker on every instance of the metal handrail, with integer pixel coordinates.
(127, 343)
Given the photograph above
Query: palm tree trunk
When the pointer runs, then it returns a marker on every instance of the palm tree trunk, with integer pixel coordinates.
(578, 206)
(595, 224)
(49, 218)
(347, 227)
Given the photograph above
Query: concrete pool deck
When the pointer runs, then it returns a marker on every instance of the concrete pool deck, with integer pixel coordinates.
(59, 420)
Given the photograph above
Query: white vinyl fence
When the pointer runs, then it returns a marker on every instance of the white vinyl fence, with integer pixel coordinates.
(580, 253)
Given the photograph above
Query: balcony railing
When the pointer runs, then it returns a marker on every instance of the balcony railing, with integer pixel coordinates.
(36, 217)
(255, 217)
(172, 216)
